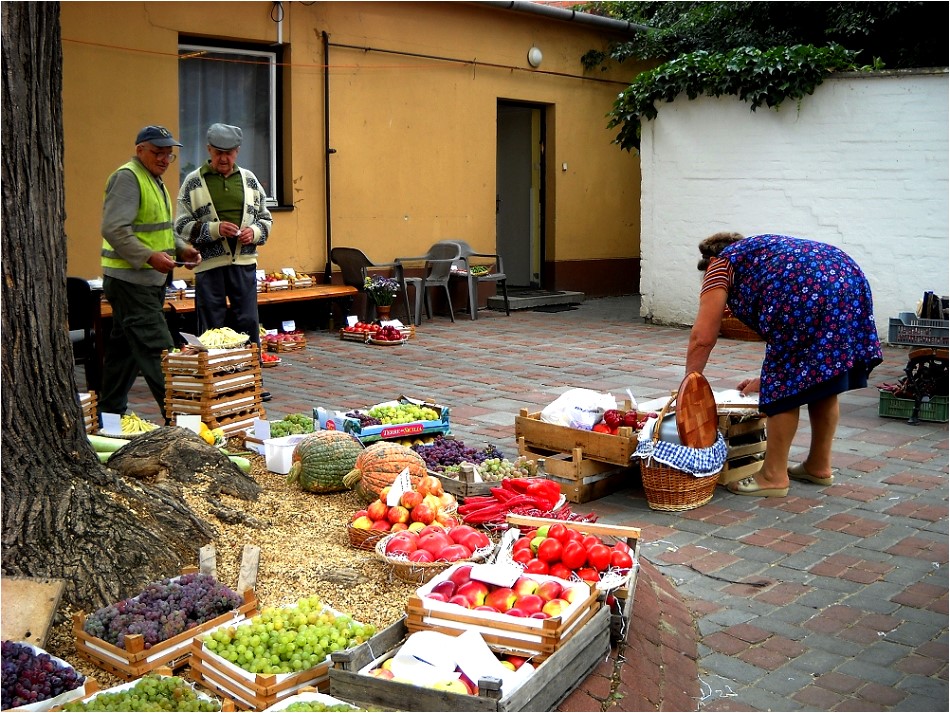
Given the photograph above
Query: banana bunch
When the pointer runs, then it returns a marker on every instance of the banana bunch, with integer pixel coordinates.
(134, 425)
(222, 338)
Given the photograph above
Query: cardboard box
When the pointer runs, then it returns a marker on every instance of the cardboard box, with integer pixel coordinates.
(278, 452)
(338, 421)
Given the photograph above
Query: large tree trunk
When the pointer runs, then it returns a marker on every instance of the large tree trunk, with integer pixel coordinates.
(64, 515)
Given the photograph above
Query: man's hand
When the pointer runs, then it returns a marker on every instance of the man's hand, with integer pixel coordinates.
(246, 236)
(190, 257)
(750, 386)
(161, 262)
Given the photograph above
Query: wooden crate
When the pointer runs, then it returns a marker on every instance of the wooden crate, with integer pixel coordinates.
(92, 690)
(553, 680)
(208, 387)
(135, 660)
(294, 346)
(620, 615)
(251, 691)
(90, 418)
(581, 478)
(536, 639)
(461, 487)
(601, 447)
(211, 362)
(237, 423)
(746, 441)
(211, 407)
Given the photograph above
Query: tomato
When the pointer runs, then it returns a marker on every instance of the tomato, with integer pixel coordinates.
(520, 543)
(522, 555)
(550, 550)
(588, 574)
(622, 546)
(601, 428)
(621, 560)
(559, 532)
(573, 555)
(572, 535)
(560, 571)
(589, 541)
(598, 557)
(536, 566)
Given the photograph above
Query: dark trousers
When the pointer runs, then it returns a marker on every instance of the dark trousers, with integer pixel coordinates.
(139, 336)
(227, 297)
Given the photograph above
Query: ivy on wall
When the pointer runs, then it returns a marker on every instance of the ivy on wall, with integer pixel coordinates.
(757, 76)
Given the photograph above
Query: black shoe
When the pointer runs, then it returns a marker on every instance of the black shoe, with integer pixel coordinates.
(265, 396)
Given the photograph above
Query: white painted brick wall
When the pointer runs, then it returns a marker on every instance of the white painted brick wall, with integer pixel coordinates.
(861, 164)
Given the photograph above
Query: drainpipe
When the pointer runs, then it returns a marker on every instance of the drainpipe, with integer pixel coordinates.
(329, 151)
(558, 13)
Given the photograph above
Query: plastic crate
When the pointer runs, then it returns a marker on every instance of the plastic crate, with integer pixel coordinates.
(934, 410)
(908, 330)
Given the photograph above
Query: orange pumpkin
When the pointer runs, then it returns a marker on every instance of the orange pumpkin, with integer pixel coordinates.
(379, 464)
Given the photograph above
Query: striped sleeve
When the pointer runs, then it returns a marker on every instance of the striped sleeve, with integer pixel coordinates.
(718, 275)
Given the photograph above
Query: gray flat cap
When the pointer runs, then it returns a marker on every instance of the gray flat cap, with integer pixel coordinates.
(224, 136)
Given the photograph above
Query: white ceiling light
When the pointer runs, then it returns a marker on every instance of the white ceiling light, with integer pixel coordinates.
(534, 57)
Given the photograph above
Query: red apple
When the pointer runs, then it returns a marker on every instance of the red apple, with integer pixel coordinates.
(461, 574)
(516, 612)
(560, 571)
(377, 510)
(502, 598)
(474, 540)
(382, 525)
(432, 528)
(358, 514)
(452, 685)
(485, 607)
(384, 493)
(410, 499)
(539, 615)
(529, 603)
(454, 553)
(423, 513)
(536, 566)
(421, 556)
(549, 590)
(397, 513)
(472, 688)
(399, 527)
(416, 526)
(435, 595)
(522, 555)
(446, 587)
(576, 592)
(555, 607)
(516, 661)
(525, 585)
(381, 673)
(461, 600)
(456, 532)
(434, 542)
(400, 546)
(446, 520)
(473, 591)
(507, 664)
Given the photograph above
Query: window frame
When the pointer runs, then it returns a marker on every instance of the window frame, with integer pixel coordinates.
(188, 45)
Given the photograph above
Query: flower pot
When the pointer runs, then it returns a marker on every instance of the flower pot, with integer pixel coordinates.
(382, 312)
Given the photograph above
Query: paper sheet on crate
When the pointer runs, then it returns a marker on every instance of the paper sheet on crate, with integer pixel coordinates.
(732, 400)
(431, 656)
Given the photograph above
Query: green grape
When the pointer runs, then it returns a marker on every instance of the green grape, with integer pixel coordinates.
(151, 693)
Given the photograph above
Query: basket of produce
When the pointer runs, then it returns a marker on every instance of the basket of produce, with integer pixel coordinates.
(35, 680)
(677, 477)
(733, 328)
(416, 557)
(130, 426)
(416, 509)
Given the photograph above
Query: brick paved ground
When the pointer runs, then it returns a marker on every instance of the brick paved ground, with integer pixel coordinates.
(830, 599)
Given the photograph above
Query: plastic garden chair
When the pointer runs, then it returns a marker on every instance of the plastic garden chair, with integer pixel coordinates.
(495, 273)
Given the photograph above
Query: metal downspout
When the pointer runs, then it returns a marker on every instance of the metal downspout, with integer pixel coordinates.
(558, 13)
(329, 151)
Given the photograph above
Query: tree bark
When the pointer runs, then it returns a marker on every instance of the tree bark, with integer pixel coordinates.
(64, 515)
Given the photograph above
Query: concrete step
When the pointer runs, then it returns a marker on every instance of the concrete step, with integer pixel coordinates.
(529, 299)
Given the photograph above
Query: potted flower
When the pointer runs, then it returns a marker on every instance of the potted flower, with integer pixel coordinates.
(383, 291)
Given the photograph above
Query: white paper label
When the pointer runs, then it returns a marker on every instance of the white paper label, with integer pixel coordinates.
(271, 331)
(191, 422)
(289, 271)
(351, 320)
(261, 429)
(111, 423)
(498, 574)
(179, 284)
(192, 341)
(261, 275)
(289, 326)
(402, 484)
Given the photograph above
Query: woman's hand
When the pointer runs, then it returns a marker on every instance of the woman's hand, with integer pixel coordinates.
(750, 386)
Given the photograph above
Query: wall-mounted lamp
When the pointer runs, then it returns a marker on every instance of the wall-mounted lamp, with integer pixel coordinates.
(535, 57)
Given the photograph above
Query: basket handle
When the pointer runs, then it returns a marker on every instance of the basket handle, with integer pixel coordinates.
(663, 412)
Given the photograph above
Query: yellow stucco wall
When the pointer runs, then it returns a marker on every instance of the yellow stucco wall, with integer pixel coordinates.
(414, 136)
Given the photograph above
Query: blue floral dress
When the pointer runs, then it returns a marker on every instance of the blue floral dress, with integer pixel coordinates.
(812, 304)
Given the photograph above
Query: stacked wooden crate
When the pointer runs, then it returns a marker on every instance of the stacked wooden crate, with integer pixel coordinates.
(746, 441)
(90, 419)
(223, 386)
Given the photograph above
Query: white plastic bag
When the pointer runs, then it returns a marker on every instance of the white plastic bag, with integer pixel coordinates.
(578, 408)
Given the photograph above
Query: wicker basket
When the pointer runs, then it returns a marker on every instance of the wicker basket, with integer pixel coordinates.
(670, 489)
(421, 572)
(733, 328)
(364, 539)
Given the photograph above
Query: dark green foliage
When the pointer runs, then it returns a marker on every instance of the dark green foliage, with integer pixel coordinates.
(761, 52)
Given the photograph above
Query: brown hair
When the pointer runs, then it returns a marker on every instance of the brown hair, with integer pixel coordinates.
(713, 245)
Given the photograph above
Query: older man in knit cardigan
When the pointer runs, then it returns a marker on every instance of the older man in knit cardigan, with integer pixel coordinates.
(222, 212)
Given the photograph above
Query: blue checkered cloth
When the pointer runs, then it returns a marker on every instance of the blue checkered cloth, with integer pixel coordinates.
(701, 462)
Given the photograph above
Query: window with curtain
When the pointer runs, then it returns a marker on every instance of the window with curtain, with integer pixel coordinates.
(233, 86)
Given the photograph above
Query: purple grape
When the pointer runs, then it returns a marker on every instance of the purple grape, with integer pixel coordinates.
(29, 677)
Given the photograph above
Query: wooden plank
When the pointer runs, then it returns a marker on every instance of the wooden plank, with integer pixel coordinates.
(596, 446)
(27, 608)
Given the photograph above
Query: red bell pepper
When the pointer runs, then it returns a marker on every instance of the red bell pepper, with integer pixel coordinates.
(613, 418)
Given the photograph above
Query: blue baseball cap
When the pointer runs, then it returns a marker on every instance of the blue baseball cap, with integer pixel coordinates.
(157, 136)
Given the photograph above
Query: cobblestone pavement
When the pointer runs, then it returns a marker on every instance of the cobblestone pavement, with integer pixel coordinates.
(832, 598)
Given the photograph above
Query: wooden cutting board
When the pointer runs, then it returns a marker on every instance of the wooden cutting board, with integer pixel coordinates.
(697, 420)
